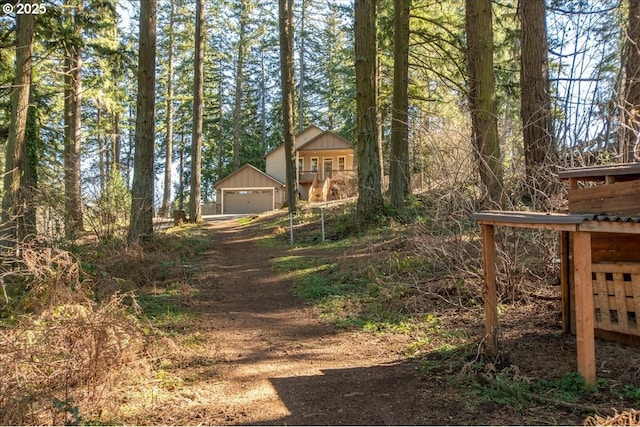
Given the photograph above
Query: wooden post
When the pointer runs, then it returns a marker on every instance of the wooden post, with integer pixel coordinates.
(573, 183)
(490, 296)
(584, 306)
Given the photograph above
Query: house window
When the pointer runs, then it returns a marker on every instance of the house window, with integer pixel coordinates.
(342, 161)
(300, 164)
(314, 164)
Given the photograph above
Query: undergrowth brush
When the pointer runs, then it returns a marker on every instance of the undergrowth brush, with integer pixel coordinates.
(420, 274)
(414, 272)
(75, 328)
(59, 349)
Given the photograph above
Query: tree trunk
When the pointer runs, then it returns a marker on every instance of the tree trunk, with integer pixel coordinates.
(367, 154)
(535, 109)
(181, 173)
(631, 113)
(29, 180)
(102, 162)
(195, 211)
(130, 145)
(263, 104)
(482, 96)
(301, 82)
(72, 128)
(286, 78)
(14, 201)
(117, 142)
(221, 114)
(168, 153)
(239, 84)
(143, 172)
(399, 173)
(379, 131)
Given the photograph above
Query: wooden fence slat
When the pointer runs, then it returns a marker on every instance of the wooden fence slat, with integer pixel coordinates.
(602, 300)
(621, 304)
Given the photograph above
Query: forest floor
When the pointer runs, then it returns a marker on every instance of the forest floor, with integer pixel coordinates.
(253, 352)
(266, 358)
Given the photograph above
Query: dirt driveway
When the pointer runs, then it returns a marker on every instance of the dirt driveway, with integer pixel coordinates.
(276, 363)
(265, 358)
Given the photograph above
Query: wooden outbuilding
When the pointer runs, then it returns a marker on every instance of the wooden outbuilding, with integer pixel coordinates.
(600, 258)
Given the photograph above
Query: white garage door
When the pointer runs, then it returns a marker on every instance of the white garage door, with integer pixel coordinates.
(247, 201)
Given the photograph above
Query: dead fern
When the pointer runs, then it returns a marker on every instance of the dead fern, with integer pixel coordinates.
(626, 418)
(58, 360)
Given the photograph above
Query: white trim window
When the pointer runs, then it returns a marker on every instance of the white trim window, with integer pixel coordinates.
(342, 163)
(314, 164)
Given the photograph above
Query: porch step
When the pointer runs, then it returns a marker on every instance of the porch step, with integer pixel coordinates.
(316, 191)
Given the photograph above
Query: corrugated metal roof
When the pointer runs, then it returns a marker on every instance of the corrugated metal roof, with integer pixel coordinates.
(524, 217)
(615, 218)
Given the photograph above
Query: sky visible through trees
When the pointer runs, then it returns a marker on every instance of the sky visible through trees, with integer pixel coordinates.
(584, 78)
(242, 117)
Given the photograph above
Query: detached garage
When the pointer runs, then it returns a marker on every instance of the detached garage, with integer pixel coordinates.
(248, 190)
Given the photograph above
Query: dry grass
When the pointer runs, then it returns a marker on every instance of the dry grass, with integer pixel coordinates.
(627, 418)
(61, 356)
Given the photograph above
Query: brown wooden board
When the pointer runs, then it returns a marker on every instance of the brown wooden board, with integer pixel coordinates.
(600, 172)
(617, 189)
(615, 247)
(619, 198)
(614, 205)
(601, 302)
(625, 339)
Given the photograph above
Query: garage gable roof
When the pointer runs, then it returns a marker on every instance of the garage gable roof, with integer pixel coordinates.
(251, 172)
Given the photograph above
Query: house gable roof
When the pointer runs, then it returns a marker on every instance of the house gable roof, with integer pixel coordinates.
(341, 143)
(312, 128)
(338, 142)
(249, 169)
(309, 128)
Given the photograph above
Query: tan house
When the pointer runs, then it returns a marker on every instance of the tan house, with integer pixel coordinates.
(324, 170)
(324, 163)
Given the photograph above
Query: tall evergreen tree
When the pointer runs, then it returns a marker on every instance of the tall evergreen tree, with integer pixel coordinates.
(195, 211)
(286, 76)
(243, 41)
(168, 152)
(302, 68)
(535, 99)
(399, 172)
(15, 200)
(72, 119)
(482, 96)
(367, 153)
(334, 64)
(141, 225)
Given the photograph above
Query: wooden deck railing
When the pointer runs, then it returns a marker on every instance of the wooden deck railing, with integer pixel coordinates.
(307, 176)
